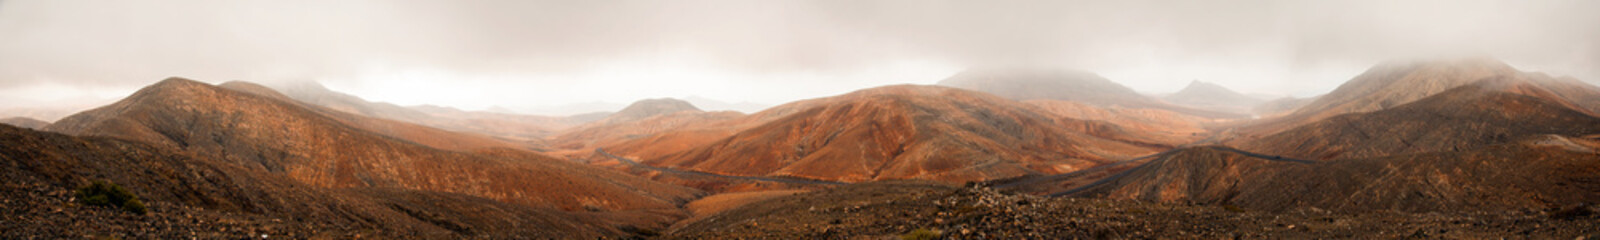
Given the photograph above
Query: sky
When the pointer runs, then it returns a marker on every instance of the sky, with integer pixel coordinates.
(527, 54)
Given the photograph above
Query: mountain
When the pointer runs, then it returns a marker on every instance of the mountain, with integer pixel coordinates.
(649, 108)
(1210, 96)
(1065, 85)
(1500, 143)
(1463, 118)
(1399, 82)
(906, 131)
(640, 119)
(191, 196)
(269, 134)
(24, 122)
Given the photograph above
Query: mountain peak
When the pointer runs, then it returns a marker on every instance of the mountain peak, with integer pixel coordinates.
(1036, 83)
(1197, 86)
(175, 83)
(1207, 95)
(1399, 82)
(652, 107)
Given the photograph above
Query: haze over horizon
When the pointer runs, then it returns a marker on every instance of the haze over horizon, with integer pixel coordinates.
(527, 54)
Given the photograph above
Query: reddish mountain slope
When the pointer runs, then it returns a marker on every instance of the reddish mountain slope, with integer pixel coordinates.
(194, 196)
(1146, 125)
(904, 132)
(1484, 146)
(1459, 119)
(269, 134)
(1395, 83)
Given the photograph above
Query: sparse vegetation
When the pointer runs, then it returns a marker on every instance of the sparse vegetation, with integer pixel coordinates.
(921, 234)
(104, 193)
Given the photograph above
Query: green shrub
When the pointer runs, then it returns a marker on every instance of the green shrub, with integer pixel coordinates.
(102, 193)
(921, 234)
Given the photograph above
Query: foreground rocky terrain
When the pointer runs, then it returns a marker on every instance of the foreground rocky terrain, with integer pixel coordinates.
(901, 208)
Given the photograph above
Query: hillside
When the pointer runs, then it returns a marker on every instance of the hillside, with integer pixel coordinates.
(1149, 125)
(1210, 96)
(192, 196)
(900, 132)
(268, 134)
(1396, 83)
(1460, 119)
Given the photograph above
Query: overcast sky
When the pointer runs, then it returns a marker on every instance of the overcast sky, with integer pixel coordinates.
(476, 54)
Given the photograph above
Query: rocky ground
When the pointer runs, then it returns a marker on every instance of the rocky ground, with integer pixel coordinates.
(39, 211)
(894, 209)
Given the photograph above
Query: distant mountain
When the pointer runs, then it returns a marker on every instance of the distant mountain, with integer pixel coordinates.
(900, 132)
(1210, 96)
(649, 108)
(24, 122)
(513, 127)
(641, 119)
(319, 148)
(1066, 85)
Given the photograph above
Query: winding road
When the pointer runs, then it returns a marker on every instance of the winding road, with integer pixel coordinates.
(636, 164)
